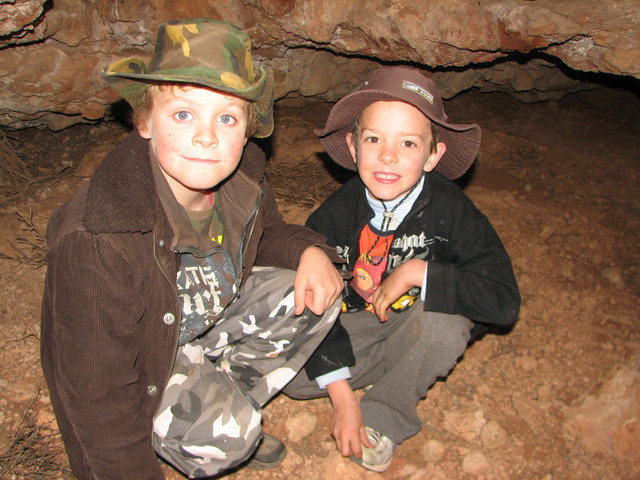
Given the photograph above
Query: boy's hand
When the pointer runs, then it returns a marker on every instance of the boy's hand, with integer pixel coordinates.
(318, 283)
(347, 424)
(409, 274)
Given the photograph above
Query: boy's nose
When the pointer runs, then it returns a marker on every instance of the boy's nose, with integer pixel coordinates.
(205, 137)
(388, 156)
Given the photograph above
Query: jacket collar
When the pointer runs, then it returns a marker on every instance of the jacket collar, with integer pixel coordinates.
(122, 194)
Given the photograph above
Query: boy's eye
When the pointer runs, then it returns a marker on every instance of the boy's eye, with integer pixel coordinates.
(408, 143)
(183, 116)
(227, 119)
(371, 139)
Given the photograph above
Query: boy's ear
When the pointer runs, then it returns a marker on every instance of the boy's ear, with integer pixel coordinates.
(435, 157)
(352, 147)
(144, 130)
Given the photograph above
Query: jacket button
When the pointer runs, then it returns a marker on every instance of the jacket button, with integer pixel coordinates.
(169, 318)
(161, 243)
(152, 390)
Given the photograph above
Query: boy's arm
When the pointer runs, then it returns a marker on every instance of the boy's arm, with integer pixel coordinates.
(406, 276)
(282, 244)
(318, 284)
(333, 355)
(91, 340)
(347, 424)
(480, 285)
(474, 278)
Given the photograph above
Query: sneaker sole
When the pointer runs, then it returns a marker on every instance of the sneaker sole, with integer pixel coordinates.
(373, 468)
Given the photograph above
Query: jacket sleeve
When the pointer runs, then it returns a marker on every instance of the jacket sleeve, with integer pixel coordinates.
(476, 278)
(282, 244)
(91, 337)
(335, 351)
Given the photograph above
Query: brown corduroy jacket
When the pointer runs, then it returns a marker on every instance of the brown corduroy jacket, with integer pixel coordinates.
(110, 312)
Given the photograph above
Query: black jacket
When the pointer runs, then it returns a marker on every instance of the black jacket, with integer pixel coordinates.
(469, 271)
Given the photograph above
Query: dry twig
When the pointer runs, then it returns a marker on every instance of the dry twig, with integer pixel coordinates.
(36, 255)
(34, 451)
(18, 176)
(307, 183)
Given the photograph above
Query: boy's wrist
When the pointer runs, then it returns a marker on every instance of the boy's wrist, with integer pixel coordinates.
(334, 376)
(340, 392)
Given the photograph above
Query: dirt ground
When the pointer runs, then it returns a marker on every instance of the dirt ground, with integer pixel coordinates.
(557, 397)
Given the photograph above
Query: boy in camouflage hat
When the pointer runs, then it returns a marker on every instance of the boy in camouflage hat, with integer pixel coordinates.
(159, 331)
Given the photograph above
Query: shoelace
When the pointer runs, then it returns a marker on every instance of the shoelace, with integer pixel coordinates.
(375, 438)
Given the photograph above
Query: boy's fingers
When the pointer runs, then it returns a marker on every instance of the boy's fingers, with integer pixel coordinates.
(364, 439)
(380, 306)
(299, 297)
(357, 451)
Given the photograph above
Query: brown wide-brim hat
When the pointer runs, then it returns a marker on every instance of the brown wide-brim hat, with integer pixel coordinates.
(203, 52)
(405, 85)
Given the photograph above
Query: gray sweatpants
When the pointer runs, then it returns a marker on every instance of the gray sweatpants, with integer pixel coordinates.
(400, 359)
(210, 416)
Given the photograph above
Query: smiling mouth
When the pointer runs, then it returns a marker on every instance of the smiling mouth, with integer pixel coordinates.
(386, 177)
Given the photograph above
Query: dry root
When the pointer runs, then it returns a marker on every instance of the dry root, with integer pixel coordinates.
(35, 451)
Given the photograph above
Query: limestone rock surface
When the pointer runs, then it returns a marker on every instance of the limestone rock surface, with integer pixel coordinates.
(51, 52)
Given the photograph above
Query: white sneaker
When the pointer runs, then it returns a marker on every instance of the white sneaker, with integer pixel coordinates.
(378, 458)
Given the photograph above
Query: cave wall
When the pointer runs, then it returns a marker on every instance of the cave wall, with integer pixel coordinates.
(52, 50)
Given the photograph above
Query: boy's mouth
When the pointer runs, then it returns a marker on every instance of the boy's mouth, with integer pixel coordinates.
(386, 177)
(201, 160)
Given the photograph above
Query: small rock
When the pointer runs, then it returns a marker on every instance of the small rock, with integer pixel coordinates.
(300, 425)
(433, 451)
(527, 363)
(475, 463)
(614, 275)
(493, 435)
(465, 422)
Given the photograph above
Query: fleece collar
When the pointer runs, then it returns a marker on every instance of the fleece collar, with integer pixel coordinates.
(122, 194)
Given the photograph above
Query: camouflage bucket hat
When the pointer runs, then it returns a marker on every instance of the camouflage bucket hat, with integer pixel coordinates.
(407, 85)
(205, 52)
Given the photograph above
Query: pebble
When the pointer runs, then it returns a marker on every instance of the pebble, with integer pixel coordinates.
(475, 463)
(614, 275)
(465, 422)
(300, 425)
(433, 451)
(493, 435)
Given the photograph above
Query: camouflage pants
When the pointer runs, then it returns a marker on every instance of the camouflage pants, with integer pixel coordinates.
(210, 416)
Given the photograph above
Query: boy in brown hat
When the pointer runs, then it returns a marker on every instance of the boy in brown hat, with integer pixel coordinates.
(429, 271)
(157, 331)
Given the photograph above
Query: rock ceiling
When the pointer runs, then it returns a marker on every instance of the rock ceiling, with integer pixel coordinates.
(51, 52)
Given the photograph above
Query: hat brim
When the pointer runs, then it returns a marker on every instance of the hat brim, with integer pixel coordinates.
(462, 140)
(129, 78)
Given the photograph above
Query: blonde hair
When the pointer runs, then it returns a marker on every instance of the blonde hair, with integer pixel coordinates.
(141, 113)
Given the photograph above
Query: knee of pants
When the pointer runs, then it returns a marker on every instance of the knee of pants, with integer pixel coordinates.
(301, 388)
(212, 445)
(448, 335)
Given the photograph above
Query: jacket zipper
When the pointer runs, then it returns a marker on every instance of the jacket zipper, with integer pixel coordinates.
(246, 235)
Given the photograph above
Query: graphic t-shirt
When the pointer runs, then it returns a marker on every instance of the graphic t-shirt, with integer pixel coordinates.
(372, 262)
(206, 285)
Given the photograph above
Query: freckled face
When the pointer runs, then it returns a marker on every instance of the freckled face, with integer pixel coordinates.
(197, 135)
(394, 148)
